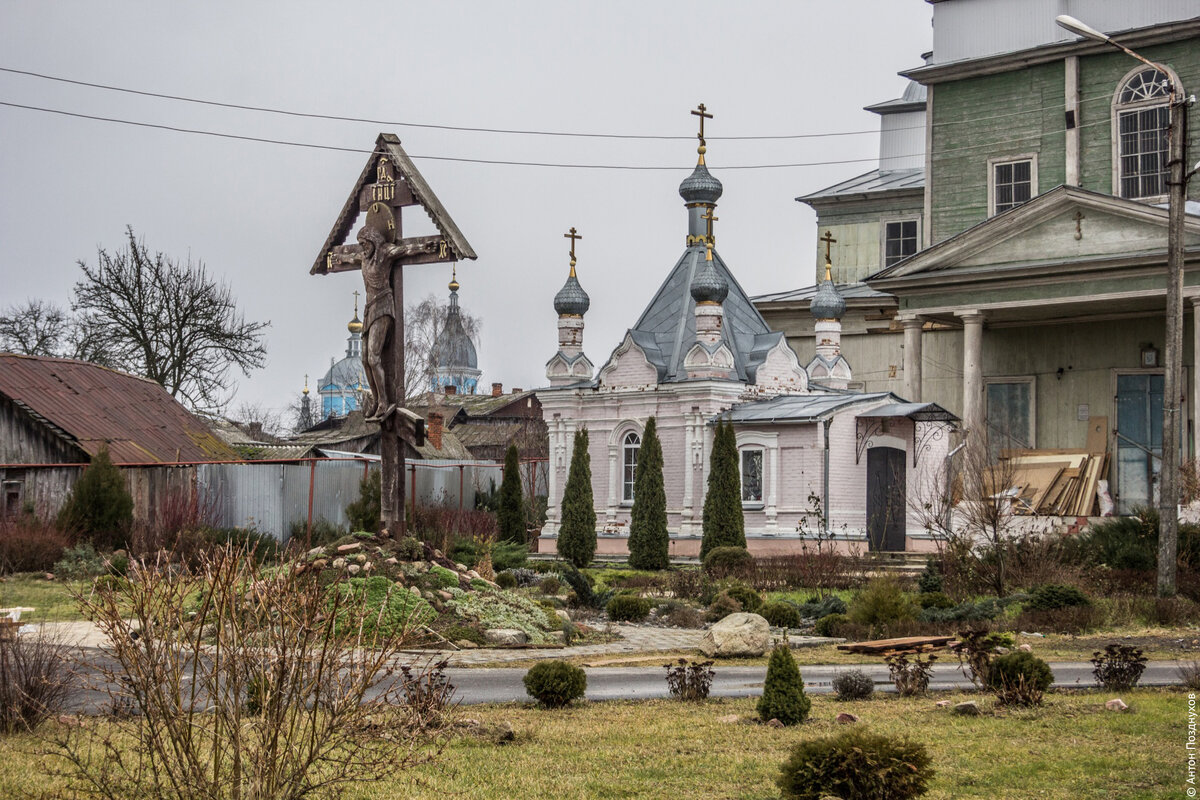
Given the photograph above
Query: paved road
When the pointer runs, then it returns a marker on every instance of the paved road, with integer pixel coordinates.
(639, 683)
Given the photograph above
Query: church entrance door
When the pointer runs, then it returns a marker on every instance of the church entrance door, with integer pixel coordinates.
(886, 508)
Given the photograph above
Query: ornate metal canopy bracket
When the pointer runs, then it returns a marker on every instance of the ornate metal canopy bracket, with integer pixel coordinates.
(866, 431)
(925, 434)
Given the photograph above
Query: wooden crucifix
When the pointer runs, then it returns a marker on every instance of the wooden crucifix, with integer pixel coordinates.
(381, 253)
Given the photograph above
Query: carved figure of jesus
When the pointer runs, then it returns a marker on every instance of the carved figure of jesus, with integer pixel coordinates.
(379, 316)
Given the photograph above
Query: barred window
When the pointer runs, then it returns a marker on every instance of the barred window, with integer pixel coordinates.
(1142, 120)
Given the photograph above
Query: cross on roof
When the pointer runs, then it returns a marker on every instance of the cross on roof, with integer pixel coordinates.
(701, 112)
(709, 219)
(828, 240)
(572, 236)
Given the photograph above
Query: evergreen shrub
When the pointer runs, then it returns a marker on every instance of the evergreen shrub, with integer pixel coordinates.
(649, 541)
(930, 580)
(818, 607)
(853, 684)
(780, 615)
(935, 600)
(783, 696)
(723, 562)
(550, 585)
(363, 513)
(882, 603)
(721, 607)
(577, 532)
(1053, 596)
(830, 624)
(99, 508)
(724, 524)
(1019, 678)
(627, 608)
(856, 765)
(510, 516)
(751, 600)
(554, 684)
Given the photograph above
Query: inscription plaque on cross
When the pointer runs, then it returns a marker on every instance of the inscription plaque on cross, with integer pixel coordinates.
(381, 253)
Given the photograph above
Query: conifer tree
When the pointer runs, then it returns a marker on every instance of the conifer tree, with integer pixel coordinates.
(99, 508)
(510, 516)
(577, 534)
(649, 541)
(783, 696)
(724, 525)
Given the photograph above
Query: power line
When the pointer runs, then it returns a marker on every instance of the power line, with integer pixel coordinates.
(431, 126)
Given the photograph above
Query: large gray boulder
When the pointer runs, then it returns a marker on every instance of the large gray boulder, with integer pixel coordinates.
(505, 637)
(740, 634)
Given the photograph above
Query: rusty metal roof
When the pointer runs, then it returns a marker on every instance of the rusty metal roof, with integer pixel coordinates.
(92, 405)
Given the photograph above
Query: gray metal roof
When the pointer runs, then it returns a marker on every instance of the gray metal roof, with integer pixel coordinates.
(923, 412)
(849, 291)
(874, 181)
(454, 348)
(913, 99)
(667, 328)
(801, 407)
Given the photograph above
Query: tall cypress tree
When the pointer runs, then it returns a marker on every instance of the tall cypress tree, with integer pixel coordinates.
(724, 525)
(648, 538)
(510, 516)
(577, 534)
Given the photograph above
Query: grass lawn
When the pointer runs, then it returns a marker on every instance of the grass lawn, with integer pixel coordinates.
(1070, 748)
(51, 599)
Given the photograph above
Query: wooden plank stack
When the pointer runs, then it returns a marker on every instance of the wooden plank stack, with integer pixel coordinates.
(908, 644)
(1057, 482)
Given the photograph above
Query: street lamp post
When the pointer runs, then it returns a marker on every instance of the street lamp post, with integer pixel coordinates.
(1168, 493)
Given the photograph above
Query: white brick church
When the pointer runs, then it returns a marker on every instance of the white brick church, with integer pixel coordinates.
(701, 352)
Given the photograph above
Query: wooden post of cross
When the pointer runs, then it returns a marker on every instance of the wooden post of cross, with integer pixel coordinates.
(381, 253)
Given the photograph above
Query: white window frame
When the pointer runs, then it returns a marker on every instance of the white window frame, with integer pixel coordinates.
(1114, 120)
(1033, 400)
(883, 235)
(1013, 159)
(762, 475)
(626, 446)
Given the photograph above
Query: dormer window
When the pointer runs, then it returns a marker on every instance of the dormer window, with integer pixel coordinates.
(1141, 117)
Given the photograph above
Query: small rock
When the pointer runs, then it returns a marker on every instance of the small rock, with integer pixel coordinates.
(339, 563)
(1002, 651)
(557, 637)
(1116, 704)
(416, 590)
(729, 719)
(442, 593)
(354, 569)
(438, 554)
(299, 569)
(69, 721)
(48, 576)
(967, 709)
(465, 644)
(360, 558)
(469, 723)
(473, 574)
(1026, 648)
(460, 567)
(316, 551)
(391, 562)
(942, 703)
(505, 732)
(563, 615)
(367, 567)
(1037, 635)
(505, 636)
(350, 548)
(774, 723)
(739, 634)
(320, 563)
(845, 718)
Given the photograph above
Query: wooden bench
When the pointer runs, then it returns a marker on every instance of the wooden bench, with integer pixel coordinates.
(907, 644)
(10, 620)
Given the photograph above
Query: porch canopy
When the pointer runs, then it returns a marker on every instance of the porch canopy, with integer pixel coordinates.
(917, 412)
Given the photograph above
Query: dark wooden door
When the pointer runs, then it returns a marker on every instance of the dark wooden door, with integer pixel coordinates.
(886, 509)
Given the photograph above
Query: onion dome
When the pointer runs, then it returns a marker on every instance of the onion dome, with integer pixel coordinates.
(701, 186)
(828, 302)
(571, 299)
(454, 284)
(709, 287)
(355, 325)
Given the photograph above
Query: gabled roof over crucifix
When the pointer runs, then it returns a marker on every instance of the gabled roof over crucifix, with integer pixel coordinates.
(410, 189)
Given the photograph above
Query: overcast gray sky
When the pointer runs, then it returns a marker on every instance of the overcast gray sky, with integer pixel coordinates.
(257, 214)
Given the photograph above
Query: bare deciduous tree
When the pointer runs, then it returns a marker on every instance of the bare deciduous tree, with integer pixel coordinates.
(270, 422)
(423, 327)
(231, 683)
(35, 328)
(171, 322)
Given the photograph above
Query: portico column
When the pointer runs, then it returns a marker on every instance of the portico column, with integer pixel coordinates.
(973, 409)
(912, 357)
(1195, 365)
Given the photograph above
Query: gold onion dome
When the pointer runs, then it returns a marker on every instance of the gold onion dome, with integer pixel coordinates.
(355, 325)
(454, 284)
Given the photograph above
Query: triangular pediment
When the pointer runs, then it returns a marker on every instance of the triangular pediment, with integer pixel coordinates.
(412, 188)
(1066, 224)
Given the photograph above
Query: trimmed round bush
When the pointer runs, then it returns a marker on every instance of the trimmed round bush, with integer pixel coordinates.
(722, 561)
(506, 580)
(935, 600)
(881, 603)
(721, 607)
(1052, 596)
(751, 600)
(554, 684)
(856, 765)
(783, 696)
(853, 684)
(828, 625)
(780, 615)
(627, 608)
(550, 585)
(1019, 678)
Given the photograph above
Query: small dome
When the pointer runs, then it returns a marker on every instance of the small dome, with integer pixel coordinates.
(355, 325)
(828, 303)
(700, 186)
(709, 286)
(454, 348)
(571, 298)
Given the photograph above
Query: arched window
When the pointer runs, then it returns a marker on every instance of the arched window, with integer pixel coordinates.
(629, 454)
(1140, 120)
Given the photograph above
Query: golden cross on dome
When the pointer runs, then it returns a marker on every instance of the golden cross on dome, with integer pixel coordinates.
(709, 219)
(356, 302)
(572, 236)
(701, 112)
(828, 240)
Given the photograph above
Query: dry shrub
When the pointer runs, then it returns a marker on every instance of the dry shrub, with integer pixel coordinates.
(441, 525)
(176, 511)
(35, 679)
(191, 648)
(689, 584)
(1072, 620)
(27, 544)
(818, 568)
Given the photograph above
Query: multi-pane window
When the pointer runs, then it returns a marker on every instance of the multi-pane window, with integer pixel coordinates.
(1012, 184)
(900, 241)
(1142, 120)
(752, 476)
(629, 465)
(1010, 414)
